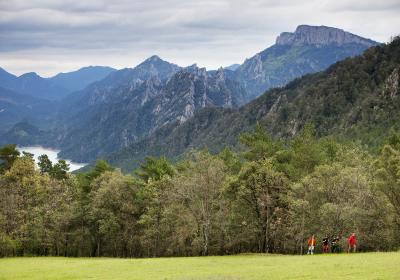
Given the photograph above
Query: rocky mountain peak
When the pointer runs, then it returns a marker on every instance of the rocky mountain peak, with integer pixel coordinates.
(321, 35)
(153, 59)
(154, 66)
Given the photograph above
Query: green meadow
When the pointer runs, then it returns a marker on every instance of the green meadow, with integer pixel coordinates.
(252, 267)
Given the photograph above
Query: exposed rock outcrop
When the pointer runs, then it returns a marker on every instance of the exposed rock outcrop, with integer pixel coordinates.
(321, 35)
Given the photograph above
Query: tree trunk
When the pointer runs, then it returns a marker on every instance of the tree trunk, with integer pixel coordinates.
(302, 234)
(263, 238)
(205, 239)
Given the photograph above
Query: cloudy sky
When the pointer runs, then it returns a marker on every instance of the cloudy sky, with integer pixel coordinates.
(51, 36)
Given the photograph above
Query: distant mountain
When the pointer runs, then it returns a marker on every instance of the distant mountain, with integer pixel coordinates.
(309, 49)
(24, 133)
(132, 103)
(15, 107)
(129, 105)
(32, 84)
(358, 99)
(54, 88)
(7, 80)
(77, 80)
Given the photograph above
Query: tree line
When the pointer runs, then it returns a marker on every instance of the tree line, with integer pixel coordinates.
(268, 197)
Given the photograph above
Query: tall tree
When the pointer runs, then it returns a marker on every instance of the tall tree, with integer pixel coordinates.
(45, 164)
(8, 154)
(263, 190)
(198, 190)
(60, 170)
(154, 169)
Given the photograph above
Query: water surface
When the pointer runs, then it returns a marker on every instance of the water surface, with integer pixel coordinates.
(51, 153)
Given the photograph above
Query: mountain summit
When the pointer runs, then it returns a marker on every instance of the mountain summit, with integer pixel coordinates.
(309, 49)
(321, 35)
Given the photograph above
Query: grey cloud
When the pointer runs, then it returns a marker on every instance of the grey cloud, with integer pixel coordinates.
(210, 32)
(364, 6)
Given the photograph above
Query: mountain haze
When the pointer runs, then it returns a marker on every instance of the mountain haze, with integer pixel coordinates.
(79, 79)
(16, 107)
(54, 88)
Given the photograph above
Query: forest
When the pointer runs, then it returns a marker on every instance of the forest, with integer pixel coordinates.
(269, 196)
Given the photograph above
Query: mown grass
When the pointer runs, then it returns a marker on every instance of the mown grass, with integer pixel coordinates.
(255, 266)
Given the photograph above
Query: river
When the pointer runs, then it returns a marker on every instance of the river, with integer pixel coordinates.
(52, 154)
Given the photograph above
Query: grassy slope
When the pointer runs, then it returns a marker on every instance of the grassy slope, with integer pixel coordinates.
(355, 266)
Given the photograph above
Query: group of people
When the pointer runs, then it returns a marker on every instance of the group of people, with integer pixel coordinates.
(332, 244)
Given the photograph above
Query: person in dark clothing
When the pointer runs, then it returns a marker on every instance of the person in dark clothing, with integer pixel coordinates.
(325, 245)
(335, 244)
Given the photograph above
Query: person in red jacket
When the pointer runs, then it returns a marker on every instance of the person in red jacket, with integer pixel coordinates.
(311, 245)
(352, 243)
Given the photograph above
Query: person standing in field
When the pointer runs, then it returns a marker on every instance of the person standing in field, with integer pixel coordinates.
(352, 243)
(311, 245)
(335, 244)
(325, 245)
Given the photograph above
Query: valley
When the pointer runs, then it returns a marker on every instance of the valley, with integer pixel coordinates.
(125, 107)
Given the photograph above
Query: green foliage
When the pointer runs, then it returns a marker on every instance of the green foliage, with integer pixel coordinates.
(231, 160)
(263, 191)
(270, 197)
(45, 164)
(8, 154)
(60, 170)
(388, 173)
(259, 143)
(154, 169)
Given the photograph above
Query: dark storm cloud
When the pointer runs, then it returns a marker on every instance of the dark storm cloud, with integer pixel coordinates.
(48, 36)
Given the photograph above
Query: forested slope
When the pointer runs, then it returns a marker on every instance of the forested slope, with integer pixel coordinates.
(356, 99)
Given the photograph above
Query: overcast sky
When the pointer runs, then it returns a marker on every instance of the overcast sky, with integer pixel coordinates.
(50, 36)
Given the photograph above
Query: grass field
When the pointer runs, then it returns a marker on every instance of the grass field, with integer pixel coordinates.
(354, 266)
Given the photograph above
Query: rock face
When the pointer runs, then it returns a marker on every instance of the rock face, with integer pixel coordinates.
(309, 49)
(321, 35)
(132, 103)
(391, 87)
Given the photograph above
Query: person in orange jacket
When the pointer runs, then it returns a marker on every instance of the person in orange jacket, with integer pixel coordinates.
(352, 243)
(311, 245)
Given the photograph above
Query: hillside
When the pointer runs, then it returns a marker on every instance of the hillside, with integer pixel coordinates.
(15, 107)
(357, 99)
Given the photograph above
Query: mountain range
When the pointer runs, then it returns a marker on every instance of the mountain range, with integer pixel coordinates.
(356, 99)
(56, 87)
(35, 99)
(159, 107)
